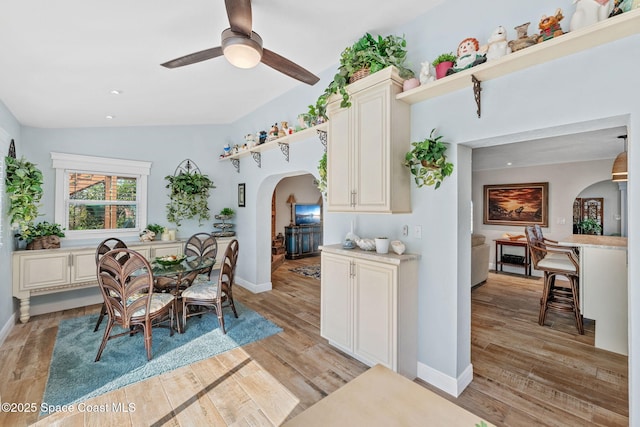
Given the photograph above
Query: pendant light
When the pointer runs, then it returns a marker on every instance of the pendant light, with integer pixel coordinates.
(619, 170)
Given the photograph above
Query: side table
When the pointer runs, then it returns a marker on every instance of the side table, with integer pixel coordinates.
(500, 262)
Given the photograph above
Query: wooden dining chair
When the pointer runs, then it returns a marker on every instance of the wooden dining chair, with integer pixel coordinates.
(103, 247)
(202, 245)
(125, 279)
(214, 294)
(555, 261)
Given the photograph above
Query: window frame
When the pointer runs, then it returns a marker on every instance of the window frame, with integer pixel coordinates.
(65, 163)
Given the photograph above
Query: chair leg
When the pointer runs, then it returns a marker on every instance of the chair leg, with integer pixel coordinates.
(103, 312)
(576, 304)
(148, 339)
(220, 316)
(233, 306)
(105, 338)
(545, 297)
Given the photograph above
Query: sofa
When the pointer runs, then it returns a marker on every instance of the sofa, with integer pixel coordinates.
(479, 259)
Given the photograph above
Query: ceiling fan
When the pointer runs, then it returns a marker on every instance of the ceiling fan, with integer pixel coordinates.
(243, 48)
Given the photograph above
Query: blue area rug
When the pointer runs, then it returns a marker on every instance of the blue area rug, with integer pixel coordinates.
(75, 377)
(308, 271)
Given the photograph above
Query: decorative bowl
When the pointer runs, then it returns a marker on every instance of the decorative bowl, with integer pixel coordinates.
(170, 259)
(367, 244)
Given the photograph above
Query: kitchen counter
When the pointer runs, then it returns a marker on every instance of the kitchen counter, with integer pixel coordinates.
(605, 242)
(389, 258)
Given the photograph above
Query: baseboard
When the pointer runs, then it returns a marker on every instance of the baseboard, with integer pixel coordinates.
(6, 329)
(50, 307)
(253, 287)
(450, 385)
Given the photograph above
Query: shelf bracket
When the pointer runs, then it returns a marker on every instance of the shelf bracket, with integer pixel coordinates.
(322, 134)
(257, 157)
(284, 147)
(476, 91)
(236, 164)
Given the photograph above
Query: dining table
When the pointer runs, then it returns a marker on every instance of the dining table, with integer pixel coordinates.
(176, 277)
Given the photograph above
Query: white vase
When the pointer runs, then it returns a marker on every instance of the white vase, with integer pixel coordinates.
(382, 245)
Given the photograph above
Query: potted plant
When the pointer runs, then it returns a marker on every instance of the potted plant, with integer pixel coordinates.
(24, 186)
(156, 229)
(366, 56)
(442, 63)
(226, 213)
(43, 235)
(188, 197)
(427, 161)
(589, 226)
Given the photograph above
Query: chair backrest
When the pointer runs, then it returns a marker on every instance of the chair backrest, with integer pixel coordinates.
(108, 244)
(126, 286)
(228, 265)
(202, 245)
(536, 245)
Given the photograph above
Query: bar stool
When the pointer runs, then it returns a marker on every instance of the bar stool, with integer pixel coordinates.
(556, 261)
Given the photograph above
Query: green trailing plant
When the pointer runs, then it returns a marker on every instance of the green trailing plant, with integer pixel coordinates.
(374, 53)
(188, 197)
(31, 231)
(589, 226)
(322, 172)
(24, 187)
(427, 161)
(155, 228)
(445, 57)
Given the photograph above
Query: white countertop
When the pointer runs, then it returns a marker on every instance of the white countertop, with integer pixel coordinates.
(589, 240)
(390, 258)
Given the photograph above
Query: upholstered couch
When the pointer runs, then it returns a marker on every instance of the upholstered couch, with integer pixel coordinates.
(479, 259)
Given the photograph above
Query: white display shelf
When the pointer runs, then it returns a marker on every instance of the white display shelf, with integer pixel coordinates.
(611, 29)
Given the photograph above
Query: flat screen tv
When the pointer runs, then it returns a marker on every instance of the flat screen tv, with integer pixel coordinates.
(308, 214)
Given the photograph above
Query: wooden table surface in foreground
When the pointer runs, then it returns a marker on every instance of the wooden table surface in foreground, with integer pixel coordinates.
(380, 397)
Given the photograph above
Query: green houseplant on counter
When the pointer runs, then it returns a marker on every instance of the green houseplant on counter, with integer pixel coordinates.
(366, 56)
(43, 235)
(427, 161)
(188, 197)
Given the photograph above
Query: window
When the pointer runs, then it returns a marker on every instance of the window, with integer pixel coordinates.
(98, 197)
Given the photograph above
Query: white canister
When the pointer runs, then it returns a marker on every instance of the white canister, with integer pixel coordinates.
(165, 236)
(172, 234)
(382, 245)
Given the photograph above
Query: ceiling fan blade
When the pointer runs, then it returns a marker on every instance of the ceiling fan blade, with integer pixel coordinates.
(287, 67)
(192, 58)
(239, 14)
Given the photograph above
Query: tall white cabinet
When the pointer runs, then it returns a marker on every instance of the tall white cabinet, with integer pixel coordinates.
(369, 306)
(366, 147)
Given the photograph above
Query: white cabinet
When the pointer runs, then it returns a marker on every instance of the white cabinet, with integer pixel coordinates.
(366, 146)
(369, 306)
(48, 271)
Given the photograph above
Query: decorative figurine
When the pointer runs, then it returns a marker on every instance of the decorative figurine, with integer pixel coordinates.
(523, 40)
(498, 46)
(550, 26)
(227, 150)
(426, 75)
(262, 136)
(588, 12)
(250, 140)
(468, 55)
(273, 132)
(147, 235)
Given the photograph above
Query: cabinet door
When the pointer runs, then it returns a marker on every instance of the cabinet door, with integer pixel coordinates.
(375, 313)
(42, 271)
(83, 266)
(339, 162)
(335, 300)
(371, 146)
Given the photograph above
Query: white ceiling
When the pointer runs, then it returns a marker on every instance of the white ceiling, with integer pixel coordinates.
(60, 60)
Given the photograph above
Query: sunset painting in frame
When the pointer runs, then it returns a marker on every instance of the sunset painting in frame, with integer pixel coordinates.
(516, 204)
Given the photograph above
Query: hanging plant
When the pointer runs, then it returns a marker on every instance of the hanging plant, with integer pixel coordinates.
(24, 187)
(427, 161)
(322, 171)
(188, 197)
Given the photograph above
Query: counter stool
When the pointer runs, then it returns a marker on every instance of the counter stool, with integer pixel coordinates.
(556, 261)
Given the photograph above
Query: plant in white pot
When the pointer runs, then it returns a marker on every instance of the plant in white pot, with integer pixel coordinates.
(427, 161)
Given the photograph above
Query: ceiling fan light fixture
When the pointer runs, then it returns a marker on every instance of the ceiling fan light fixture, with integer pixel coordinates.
(240, 50)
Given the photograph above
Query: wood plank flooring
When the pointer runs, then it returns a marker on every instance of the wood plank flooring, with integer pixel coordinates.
(524, 374)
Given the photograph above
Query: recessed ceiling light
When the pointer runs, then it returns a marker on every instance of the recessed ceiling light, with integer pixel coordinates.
(509, 163)
(109, 117)
(116, 92)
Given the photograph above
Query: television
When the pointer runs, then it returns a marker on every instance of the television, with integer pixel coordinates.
(308, 214)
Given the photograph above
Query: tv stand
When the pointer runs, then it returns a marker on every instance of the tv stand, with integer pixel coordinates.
(302, 240)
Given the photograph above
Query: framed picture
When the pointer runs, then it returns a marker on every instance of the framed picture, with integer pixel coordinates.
(241, 189)
(517, 205)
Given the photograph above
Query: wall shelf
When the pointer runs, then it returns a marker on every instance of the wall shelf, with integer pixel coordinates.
(282, 143)
(611, 29)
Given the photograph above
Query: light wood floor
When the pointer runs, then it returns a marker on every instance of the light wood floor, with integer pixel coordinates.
(524, 374)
